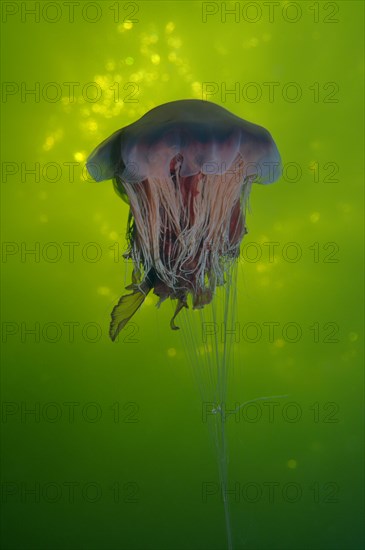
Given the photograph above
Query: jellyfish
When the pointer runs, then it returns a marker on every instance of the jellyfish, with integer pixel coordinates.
(186, 170)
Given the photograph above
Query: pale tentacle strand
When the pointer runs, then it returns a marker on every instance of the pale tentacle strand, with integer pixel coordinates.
(202, 229)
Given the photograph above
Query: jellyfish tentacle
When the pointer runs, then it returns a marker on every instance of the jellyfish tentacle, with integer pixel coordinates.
(180, 305)
(127, 306)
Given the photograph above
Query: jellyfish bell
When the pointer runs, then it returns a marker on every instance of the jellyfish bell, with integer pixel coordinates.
(206, 135)
(186, 169)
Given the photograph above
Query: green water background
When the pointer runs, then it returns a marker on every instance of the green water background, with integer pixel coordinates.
(137, 445)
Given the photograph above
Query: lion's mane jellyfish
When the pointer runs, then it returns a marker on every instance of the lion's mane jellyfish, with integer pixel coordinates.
(186, 169)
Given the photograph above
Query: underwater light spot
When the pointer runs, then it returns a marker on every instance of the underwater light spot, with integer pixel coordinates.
(43, 218)
(115, 111)
(48, 143)
(104, 228)
(292, 464)
(129, 60)
(261, 267)
(172, 57)
(155, 59)
(148, 39)
(174, 43)
(170, 27)
(316, 446)
(314, 217)
(220, 49)
(153, 38)
(253, 42)
(113, 235)
(127, 25)
(197, 88)
(132, 113)
(279, 343)
(137, 76)
(203, 350)
(349, 355)
(152, 76)
(346, 208)
(101, 80)
(171, 352)
(103, 291)
(110, 66)
(92, 125)
(316, 145)
(353, 336)
(79, 156)
(265, 281)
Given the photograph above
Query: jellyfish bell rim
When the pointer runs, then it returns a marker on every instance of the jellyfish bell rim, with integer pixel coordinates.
(272, 169)
(205, 134)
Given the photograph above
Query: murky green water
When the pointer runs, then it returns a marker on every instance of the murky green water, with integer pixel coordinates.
(116, 453)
